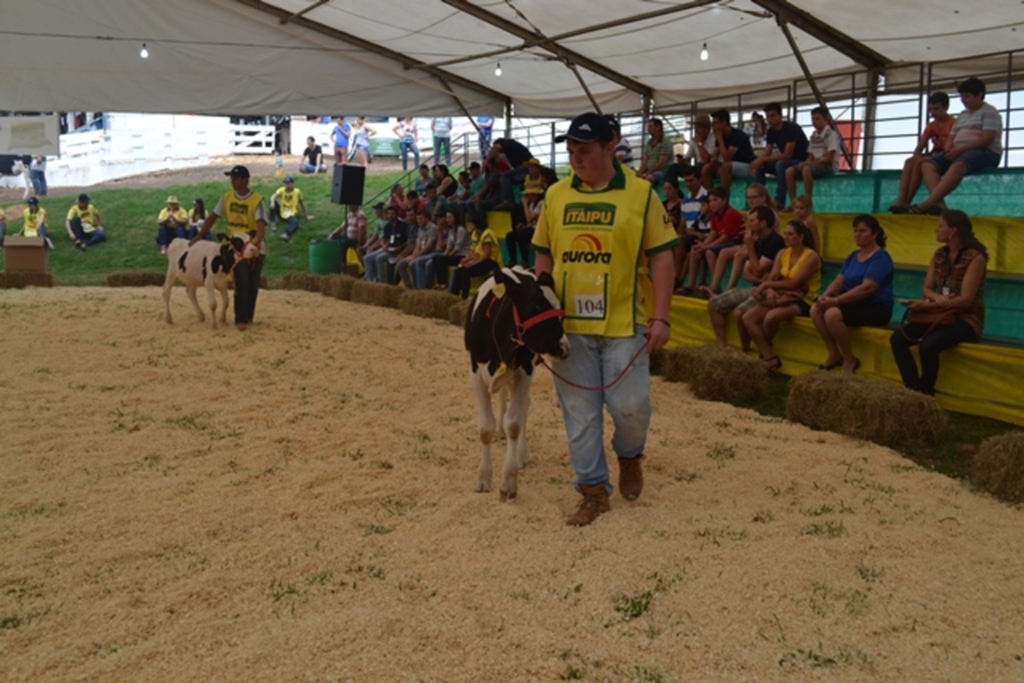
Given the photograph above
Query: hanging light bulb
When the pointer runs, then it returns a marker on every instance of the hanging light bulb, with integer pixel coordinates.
(144, 53)
(497, 69)
(704, 54)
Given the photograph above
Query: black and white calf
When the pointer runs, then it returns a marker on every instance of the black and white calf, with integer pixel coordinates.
(205, 264)
(514, 319)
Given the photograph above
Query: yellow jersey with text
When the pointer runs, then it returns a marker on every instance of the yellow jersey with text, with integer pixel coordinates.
(33, 221)
(478, 239)
(242, 213)
(600, 242)
(288, 202)
(89, 216)
(179, 216)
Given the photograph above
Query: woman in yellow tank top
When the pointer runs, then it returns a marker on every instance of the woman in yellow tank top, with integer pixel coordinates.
(785, 294)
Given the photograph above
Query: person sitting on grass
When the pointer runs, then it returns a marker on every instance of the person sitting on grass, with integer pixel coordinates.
(823, 150)
(974, 144)
(171, 223)
(84, 225)
(196, 216)
(860, 296)
(762, 244)
(285, 203)
(483, 259)
(787, 293)
(935, 135)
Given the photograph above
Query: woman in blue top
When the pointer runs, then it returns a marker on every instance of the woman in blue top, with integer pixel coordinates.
(861, 295)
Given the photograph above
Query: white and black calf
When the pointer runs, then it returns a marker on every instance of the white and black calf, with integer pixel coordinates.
(204, 264)
(514, 319)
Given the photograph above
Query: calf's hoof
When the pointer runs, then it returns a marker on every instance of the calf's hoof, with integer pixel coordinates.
(504, 495)
(483, 487)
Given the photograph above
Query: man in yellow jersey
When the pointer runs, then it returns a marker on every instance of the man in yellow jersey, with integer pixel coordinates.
(83, 223)
(285, 203)
(245, 213)
(607, 242)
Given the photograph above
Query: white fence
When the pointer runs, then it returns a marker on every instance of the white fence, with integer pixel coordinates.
(142, 143)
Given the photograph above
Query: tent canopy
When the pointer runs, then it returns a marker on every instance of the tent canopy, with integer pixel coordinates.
(424, 57)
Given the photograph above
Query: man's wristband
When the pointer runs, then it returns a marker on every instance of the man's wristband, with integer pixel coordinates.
(660, 320)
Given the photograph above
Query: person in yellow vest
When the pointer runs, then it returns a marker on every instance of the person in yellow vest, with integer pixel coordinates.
(84, 225)
(285, 203)
(606, 240)
(34, 224)
(246, 216)
(171, 223)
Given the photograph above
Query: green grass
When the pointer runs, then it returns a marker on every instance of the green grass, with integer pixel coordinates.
(129, 217)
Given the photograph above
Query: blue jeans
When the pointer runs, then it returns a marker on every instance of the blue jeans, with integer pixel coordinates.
(510, 179)
(164, 235)
(38, 179)
(86, 238)
(421, 272)
(447, 144)
(376, 266)
(405, 146)
(594, 361)
(293, 226)
(780, 176)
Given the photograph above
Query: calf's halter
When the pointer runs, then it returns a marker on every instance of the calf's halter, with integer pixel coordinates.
(522, 326)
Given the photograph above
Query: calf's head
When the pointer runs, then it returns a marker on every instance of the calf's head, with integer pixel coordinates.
(537, 312)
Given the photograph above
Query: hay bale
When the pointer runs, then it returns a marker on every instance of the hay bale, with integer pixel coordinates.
(998, 466)
(882, 412)
(717, 374)
(135, 278)
(458, 312)
(337, 286)
(375, 294)
(426, 303)
(307, 282)
(20, 280)
(658, 361)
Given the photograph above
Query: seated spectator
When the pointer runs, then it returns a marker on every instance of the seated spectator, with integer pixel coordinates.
(726, 231)
(674, 205)
(351, 233)
(196, 216)
(398, 200)
(860, 296)
(657, 153)
(34, 224)
(285, 203)
(463, 192)
(933, 140)
(734, 153)
(434, 205)
(84, 225)
(172, 223)
(392, 243)
(757, 196)
(786, 145)
(313, 157)
(623, 150)
(954, 285)
(803, 209)
(446, 184)
(412, 268)
(521, 236)
(405, 131)
(483, 259)
(974, 144)
(762, 244)
(414, 203)
(823, 150)
(489, 196)
(788, 291)
(756, 128)
(700, 151)
(453, 247)
(509, 157)
(375, 236)
(420, 184)
(694, 222)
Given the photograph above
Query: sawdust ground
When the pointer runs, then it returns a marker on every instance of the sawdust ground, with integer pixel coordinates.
(295, 503)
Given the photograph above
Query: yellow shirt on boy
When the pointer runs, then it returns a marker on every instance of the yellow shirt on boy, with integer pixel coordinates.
(288, 202)
(89, 216)
(600, 242)
(478, 239)
(33, 221)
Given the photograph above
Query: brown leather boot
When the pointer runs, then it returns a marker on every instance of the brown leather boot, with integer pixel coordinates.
(631, 477)
(595, 502)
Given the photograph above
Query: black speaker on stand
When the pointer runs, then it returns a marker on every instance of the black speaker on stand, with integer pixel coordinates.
(348, 184)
